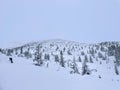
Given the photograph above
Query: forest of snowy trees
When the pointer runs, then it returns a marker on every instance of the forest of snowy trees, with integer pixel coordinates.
(69, 54)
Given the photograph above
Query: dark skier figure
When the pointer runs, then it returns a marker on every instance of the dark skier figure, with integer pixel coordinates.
(11, 60)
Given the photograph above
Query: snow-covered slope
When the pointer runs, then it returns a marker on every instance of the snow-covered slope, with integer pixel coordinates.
(60, 64)
(71, 55)
(23, 75)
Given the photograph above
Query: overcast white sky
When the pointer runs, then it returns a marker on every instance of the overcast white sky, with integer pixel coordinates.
(79, 20)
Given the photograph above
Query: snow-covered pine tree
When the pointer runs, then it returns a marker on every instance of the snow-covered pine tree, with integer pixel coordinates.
(0, 50)
(69, 52)
(21, 50)
(116, 69)
(62, 62)
(47, 56)
(74, 67)
(91, 60)
(79, 59)
(9, 52)
(56, 58)
(38, 56)
(86, 58)
(85, 69)
(117, 55)
(27, 54)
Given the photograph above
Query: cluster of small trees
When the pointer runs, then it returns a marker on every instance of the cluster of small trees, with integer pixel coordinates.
(114, 50)
(27, 54)
(9, 52)
(2, 51)
(18, 51)
(59, 58)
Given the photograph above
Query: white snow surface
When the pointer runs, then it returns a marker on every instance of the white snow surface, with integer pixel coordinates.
(23, 75)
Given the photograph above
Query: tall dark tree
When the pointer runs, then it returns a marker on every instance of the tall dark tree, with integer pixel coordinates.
(117, 55)
(62, 62)
(92, 52)
(91, 60)
(102, 48)
(111, 50)
(27, 54)
(47, 56)
(116, 70)
(85, 69)
(56, 58)
(75, 67)
(79, 59)
(21, 50)
(38, 56)
(86, 58)
(9, 52)
(0, 50)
